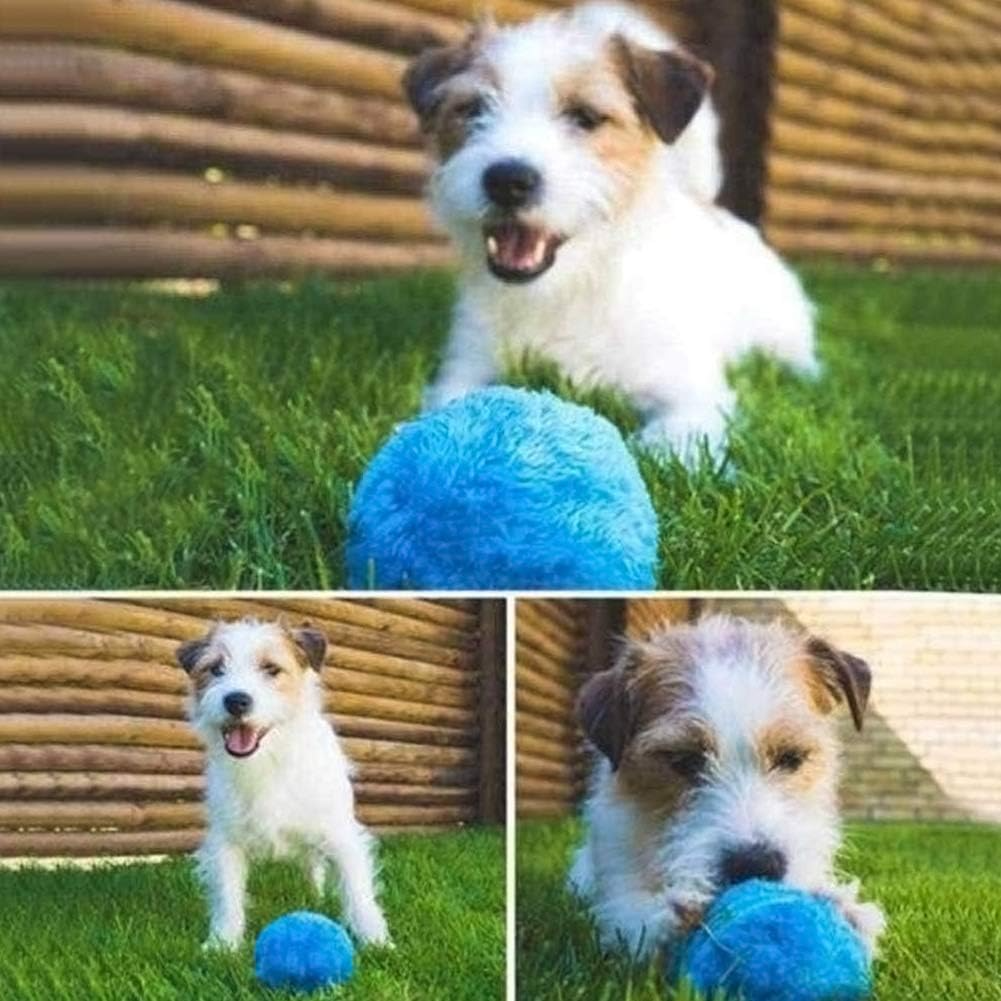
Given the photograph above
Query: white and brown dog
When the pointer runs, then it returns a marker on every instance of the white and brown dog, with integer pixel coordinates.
(278, 783)
(576, 169)
(719, 763)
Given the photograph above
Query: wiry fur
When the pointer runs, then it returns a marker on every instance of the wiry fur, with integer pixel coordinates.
(658, 838)
(292, 797)
(655, 288)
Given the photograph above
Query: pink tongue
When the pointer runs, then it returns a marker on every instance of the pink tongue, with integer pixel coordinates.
(241, 739)
(516, 244)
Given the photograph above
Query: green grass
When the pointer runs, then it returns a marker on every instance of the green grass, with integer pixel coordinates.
(155, 441)
(133, 933)
(939, 884)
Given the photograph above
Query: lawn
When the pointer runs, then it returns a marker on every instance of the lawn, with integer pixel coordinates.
(133, 932)
(157, 441)
(939, 884)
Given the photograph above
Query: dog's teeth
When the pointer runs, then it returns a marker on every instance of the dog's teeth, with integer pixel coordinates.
(492, 246)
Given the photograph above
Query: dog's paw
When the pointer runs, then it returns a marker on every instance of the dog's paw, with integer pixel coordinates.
(686, 908)
(440, 394)
(867, 919)
(221, 943)
(371, 929)
(691, 442)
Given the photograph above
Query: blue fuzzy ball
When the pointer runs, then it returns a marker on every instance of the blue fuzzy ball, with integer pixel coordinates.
(504, 489)
(303, 951)
(763, 941)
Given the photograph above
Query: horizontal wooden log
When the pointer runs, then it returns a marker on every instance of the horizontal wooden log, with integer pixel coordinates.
(538, 788)
(794, 172)
(99, 785)
(544, 637)
(52, 70)
(414, 620)
(60, 728)
(51, 698)
(389, 670)
(532, 809)
(141, 676)
(49, 757)
(457, 614)
(390, 815)
(47, 640)
(199, 34)
(811, 70)
(376, 23)
(568, 617)
(43, 131)
(92, 194)
(533, 767)
(506, 11)
(390, 794)
(438, 735)
(364, 750)
(396, 710)
(546, 726)
(808, 32)
(797, 138)
(546, 748)
(878, 124)
(814, 210)
(799, 240)
(90, 815)
(40, 844)
(60, 252)
(536, 676)
(362, 683)
(422, 775)
(93, 615)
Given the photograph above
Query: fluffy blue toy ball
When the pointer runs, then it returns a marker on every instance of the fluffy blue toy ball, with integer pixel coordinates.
(762, 941)
(303, 951)
(505, 489)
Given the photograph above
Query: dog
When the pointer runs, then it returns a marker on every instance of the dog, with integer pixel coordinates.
(576, 166)
(277, 783)
(718, 763)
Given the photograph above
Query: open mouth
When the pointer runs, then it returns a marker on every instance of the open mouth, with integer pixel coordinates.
(242, 739)
(519, 253)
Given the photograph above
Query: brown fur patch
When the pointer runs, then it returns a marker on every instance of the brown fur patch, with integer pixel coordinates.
(789, 735)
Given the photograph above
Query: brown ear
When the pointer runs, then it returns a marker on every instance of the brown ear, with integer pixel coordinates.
(313, 644)
(844, 676)
(188, 653)
(667, 86)
(604, 709)
(423, 78)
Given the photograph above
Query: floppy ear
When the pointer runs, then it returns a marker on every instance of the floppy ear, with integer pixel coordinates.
(425, 74)
(188, 653)
(312, 643)
(667, 86)
(843, 676)
(604, 708)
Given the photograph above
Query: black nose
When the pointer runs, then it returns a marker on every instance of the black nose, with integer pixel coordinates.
(238, 703)
(754, 861)
(512, 184)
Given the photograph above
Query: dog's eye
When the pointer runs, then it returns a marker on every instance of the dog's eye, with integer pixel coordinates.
(789, 760)
(216, 669)
(686, 763)
(472, 109)
(272, 670)
(585, 117)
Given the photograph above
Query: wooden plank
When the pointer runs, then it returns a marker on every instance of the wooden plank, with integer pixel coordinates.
(48, 698)
(99, 785)
(46, 131)
(96, 843)
(92, 194)
(61, 71)
(199, 34)
(492, 796)
(826, 242)
(88, 815)
(134, 675)
(65, 728)
(22, 757)
(100, 252)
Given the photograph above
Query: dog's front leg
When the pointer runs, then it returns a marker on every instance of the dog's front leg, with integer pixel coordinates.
(690, 423)
(223, 867)
(469, 363)
(867, 919)
(643, 923)
(351, 849)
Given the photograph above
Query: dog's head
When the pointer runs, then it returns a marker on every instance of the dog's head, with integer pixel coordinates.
(249, 678)
(545, 131)
(722, 734)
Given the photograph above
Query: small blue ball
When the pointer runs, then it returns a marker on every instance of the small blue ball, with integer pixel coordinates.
(505, 489)
(303, 951)
(763, 941)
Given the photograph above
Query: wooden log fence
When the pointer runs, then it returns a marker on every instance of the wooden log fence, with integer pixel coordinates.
(97, 758)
